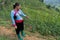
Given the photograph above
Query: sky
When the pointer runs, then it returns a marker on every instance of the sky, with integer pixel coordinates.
(52, 2)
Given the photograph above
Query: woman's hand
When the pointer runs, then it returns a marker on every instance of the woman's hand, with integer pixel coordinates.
(27, 17)
(15, 27)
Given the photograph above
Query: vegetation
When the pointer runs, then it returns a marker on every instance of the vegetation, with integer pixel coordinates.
(43, 20)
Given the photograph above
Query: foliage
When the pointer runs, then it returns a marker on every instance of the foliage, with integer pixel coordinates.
(43, 20)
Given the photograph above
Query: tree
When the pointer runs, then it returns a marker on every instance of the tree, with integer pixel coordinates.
(41, 0)
(48, 6)
(57, 9)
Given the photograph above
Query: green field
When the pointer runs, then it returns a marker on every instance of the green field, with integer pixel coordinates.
(43, 20)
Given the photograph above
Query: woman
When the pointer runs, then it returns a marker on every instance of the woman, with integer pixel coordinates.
(17, 20)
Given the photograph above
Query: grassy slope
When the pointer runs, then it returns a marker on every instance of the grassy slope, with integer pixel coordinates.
(45, 21)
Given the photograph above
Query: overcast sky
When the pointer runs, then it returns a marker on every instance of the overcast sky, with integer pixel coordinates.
(52, 2)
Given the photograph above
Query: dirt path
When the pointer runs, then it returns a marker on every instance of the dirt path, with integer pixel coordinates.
(9, 32)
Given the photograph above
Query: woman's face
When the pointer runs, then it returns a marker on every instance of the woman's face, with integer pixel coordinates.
(18, 7)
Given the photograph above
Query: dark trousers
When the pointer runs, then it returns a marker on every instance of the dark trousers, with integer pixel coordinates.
(20, 27)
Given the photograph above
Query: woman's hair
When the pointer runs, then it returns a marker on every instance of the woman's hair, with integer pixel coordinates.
(16, 4)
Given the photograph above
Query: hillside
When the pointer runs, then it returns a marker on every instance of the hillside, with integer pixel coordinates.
(29, 36)
(43, 20)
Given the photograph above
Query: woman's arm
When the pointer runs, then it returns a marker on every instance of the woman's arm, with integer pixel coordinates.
(12, 18)
(22, 14)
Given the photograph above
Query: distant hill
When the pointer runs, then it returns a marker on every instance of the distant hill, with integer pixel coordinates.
(52, 2)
